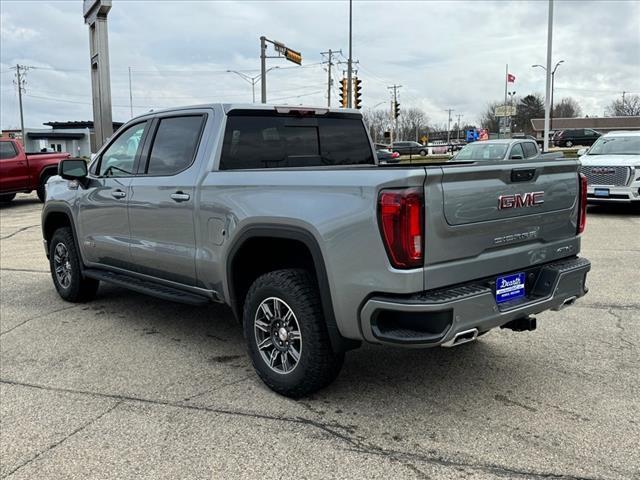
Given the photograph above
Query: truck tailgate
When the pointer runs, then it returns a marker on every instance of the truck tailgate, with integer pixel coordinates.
(485, 219)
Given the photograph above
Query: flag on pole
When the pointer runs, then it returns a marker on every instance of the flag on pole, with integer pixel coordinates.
(511, 78)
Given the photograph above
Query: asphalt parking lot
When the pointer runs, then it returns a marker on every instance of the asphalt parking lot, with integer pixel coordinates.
(130, 386)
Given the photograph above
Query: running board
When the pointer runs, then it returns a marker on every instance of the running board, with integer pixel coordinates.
(147, 287)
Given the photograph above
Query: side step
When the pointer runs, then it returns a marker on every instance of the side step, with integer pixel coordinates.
(147, 287)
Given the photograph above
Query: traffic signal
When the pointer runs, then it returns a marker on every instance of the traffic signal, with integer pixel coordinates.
(357, 83)
(344, 91)
(293, 56)
(396, 110)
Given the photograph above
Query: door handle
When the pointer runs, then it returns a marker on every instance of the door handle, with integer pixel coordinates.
(118, 194)
(180, 196)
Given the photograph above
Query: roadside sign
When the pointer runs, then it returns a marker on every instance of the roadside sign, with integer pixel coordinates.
(424, 139)
(505, 111)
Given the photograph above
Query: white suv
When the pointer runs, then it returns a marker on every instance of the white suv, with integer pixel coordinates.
(612, 168)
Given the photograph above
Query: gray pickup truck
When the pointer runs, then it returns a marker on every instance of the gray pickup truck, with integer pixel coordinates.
(284, 214)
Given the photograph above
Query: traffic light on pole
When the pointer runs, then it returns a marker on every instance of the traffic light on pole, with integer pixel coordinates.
(293, 56)
(396, 110)
(343, 93)
(357, 83)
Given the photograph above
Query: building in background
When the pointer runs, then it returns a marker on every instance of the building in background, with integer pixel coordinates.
(76, 138)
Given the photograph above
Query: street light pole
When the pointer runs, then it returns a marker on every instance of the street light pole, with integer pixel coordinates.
(547, 99)
(251, 80)
(553, 79)
(350, 59)
(263, 68)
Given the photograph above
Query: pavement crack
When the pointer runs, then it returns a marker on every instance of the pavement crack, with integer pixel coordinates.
(27, 270)
(18, 231)
(59, 442)
(355, 444)
(37, 316)
(621, 330)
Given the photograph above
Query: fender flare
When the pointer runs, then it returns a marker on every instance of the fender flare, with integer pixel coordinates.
(338, 342)
(65, 210)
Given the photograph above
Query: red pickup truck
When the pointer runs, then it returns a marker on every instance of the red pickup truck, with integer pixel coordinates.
(22, 172)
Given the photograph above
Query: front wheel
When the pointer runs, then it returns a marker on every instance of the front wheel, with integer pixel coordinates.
(64, 262)
(286, 334)
(568, 143)
(423, 153)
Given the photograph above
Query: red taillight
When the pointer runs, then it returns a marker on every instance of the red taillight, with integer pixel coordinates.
(401, 219)
(582, 209)
(395, 155)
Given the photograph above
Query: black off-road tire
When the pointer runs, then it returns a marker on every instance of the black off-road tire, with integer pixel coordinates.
(41, 190)
(79, 289)
(7, 197)
(318, 364)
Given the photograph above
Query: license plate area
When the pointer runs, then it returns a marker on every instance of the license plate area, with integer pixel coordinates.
(601, 192)
(510, 287)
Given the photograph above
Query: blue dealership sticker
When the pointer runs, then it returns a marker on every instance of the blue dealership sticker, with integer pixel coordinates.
(509, 287)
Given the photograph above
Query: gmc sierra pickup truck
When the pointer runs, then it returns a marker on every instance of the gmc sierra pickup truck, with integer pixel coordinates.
(284, 214)
(22, 172)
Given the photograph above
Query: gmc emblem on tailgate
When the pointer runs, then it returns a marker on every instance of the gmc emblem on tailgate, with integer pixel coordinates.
(520, 200)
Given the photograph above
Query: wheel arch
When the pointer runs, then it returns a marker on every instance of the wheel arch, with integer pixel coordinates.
(57, 217)
(290, 236)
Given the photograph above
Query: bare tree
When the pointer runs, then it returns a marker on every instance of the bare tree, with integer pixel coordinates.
(629, 108)
(378, 122)
(488, 119)
(413, 122)
(567, 108)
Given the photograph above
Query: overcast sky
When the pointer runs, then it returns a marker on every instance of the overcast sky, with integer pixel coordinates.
(444, 54)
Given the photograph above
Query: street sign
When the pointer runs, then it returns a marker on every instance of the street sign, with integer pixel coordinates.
(505, 111)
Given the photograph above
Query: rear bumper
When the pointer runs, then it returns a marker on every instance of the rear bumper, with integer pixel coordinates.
(432, 318)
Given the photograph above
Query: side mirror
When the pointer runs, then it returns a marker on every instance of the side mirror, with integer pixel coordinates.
(72, 169)
(582, 151)
(517, 157)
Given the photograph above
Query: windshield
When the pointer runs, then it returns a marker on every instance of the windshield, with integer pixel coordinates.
(616, 146)
(482, 151)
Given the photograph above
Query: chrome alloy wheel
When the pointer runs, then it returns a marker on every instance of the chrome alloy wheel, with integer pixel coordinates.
(278, 335)
(62, 265)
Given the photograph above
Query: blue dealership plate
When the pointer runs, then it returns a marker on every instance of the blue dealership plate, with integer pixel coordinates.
(509, 287)
(601, 192)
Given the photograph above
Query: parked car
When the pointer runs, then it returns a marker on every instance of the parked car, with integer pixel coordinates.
(575, 136)
(409, 148)
(505, 149)
(612, 168)
(314, 245)
(387, 156)
(22, 172)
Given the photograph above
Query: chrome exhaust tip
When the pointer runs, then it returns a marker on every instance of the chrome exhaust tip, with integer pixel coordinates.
(459, 338)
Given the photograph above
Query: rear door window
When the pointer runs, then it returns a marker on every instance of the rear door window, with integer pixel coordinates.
(174, 145)
(530, 149)
(7, 150)
(281, 141)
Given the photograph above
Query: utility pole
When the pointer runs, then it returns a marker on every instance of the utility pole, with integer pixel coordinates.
(329, 65)
(263, 69)
(623, 94)
(458, 135)
(449, 125)
(20, 81)
(547, 98)
(350, 59)
(394, 103)
(130, 95)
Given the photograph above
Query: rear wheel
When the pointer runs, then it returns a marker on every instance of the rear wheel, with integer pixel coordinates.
(568, 143)
(7, 197)
(64, 263)
(423, 153)
(41, 190)
(286, 334)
